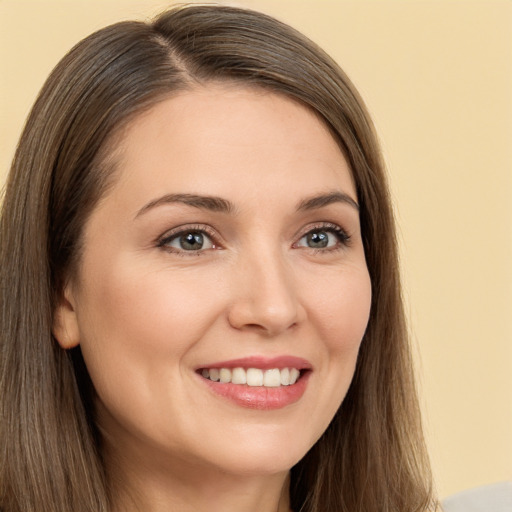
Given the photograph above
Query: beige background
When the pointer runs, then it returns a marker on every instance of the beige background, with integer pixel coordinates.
(437, 76)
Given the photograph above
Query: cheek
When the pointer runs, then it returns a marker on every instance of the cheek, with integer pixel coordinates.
(139, 329)
(340, 313)
(136, 324)
(342, 308)
(145, 309)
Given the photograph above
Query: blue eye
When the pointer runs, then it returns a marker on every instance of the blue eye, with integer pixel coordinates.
(192, 240)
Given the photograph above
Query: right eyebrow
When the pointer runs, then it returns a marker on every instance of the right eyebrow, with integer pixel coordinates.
(212, 203)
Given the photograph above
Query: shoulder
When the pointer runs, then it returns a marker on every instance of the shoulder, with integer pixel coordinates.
(496, 497)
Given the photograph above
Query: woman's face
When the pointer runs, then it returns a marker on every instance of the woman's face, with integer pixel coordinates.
(229, 248)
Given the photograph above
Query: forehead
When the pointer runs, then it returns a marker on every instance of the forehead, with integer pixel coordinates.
(224, 139)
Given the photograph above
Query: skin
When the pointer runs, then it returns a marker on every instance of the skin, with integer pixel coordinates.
(147, 315)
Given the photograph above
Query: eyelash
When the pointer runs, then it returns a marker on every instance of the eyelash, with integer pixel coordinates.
(342, 236)
(162, 243)
(172, 235)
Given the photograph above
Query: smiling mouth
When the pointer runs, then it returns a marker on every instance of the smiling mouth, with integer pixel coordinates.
(253, 377)
(258, 382)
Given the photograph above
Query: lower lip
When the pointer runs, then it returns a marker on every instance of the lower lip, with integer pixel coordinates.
(260, 397)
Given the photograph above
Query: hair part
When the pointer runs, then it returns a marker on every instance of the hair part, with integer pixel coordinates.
(372, 456)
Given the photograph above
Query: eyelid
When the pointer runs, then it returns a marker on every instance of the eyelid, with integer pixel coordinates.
(343, 235)
(187, 228)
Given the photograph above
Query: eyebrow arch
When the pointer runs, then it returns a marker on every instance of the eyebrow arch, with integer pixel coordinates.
(218, 204)
(322, 200)
(212, 203)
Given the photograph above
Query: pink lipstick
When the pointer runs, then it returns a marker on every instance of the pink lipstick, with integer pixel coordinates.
(258, 382)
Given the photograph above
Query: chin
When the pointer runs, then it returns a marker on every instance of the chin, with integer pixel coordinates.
(263, 454)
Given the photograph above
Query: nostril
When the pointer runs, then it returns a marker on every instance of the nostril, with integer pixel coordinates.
(268, 320)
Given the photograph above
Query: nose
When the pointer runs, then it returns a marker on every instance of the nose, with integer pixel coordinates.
(265, 297)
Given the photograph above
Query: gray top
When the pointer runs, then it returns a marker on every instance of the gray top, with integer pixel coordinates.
(489, 498)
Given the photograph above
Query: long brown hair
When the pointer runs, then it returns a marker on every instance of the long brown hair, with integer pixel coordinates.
(372, 456)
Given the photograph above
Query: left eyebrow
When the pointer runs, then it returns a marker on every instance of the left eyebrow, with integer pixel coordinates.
(321, 200)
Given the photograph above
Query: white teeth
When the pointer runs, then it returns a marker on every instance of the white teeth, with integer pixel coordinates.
(272, 378)
(285, 377)
(254, 377)
(225, 375)
(238, 376)
(294, 375)
(214, 374)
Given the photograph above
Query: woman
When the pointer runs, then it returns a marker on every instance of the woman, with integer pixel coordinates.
(200, 295)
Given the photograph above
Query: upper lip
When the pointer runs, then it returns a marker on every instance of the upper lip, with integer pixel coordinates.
(262, 362)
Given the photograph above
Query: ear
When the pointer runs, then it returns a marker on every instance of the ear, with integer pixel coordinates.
(65, 322)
